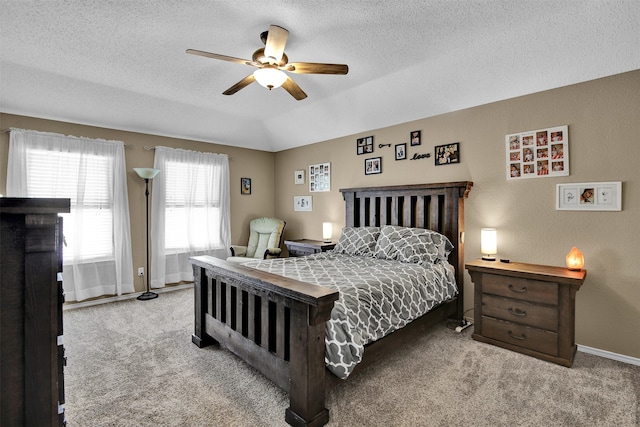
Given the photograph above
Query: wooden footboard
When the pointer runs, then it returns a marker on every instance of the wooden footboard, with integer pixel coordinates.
(275, 324)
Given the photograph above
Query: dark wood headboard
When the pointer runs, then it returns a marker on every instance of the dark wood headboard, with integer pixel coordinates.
(438, 207)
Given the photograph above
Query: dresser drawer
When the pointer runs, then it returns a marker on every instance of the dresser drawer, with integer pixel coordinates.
(523, 289)
(513, 310)
(521, 336)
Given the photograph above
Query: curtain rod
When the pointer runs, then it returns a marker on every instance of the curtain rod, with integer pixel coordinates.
(146, 147)
(152, 148)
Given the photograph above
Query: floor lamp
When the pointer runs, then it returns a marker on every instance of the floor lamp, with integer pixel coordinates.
(147, 174)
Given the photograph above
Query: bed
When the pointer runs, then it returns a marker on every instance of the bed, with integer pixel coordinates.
(278, 324)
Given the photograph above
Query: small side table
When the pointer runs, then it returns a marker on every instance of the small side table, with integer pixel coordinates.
(304, 247)
(526, 308)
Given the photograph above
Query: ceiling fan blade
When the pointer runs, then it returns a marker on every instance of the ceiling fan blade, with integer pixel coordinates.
(316, 68)
(222, 57)
(240, 85)
(276, 40)
(293, 88)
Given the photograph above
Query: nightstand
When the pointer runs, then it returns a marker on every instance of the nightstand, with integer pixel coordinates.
(304, 247)
(526, 308)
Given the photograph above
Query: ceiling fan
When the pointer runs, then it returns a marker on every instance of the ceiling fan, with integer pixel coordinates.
(271, 62)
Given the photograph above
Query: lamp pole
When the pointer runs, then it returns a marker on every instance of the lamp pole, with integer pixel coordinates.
(148, 294)
(147, 174)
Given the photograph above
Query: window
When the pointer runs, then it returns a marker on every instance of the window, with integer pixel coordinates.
(91, 173)
(93, 236)
(198, 209)
(190, 212)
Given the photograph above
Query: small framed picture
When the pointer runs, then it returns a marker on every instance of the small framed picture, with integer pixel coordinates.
(245, 185)
(373, 165)
(365, 145)
(401, 151)
(589, 196)
(415, 137)
(302, 203)
(299, 176)
(447, 154)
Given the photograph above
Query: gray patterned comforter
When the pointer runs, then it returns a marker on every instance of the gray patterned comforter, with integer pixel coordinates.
(377, 297)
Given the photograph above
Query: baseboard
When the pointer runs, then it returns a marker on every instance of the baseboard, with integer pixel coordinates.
(609, 355)
(71, 306)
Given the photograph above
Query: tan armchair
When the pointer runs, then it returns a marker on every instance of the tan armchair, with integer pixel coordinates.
(265, 239)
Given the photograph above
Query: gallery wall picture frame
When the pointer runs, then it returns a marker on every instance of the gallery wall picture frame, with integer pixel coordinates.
(302, 203)
(298, 176)
(364, 145)
(447, 154)
(245, 185)
(401, 151)
(589, 196)
(415, 137)
(320, 177)
(373, 165)
(541, 153)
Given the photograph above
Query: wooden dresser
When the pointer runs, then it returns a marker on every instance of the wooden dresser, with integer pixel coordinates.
(31, 352)
(526, 308)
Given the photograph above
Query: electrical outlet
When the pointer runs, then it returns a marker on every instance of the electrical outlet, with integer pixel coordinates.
(140, 271)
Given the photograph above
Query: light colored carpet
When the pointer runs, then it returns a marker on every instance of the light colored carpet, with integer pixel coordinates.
(132, 363)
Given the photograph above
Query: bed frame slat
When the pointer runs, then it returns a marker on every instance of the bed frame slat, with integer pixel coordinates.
(251, 311)
(264, 323)
(420, 203)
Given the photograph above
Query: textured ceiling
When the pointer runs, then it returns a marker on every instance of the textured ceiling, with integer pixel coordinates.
(122, 63)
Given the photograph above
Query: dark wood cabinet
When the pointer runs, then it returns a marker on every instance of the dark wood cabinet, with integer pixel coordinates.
(526, 308)
(31, 352)
(304, 247)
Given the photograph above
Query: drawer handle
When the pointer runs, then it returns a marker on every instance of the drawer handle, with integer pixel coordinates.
(520, 291)
(517, 311)
(521, 337)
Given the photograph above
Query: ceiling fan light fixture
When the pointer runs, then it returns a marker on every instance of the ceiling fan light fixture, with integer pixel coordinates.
(271, 78)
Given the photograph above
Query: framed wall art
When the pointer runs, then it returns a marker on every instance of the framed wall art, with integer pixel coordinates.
(298, 176)
(320, 177)
(538, 153)
(245, 185)
(401, 151)
(373, 165)
(447, 154)
(416, 137)
(589, 196)
(365, 145)
(302, 203)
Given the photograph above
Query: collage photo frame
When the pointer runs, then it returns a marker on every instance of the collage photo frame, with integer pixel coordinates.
(540, 153)
(320, 177)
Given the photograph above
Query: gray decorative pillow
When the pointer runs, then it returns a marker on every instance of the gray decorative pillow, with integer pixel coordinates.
(357, 241)
(412, 245)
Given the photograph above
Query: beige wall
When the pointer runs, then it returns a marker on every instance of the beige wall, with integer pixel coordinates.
(604, 131)
(257, 165)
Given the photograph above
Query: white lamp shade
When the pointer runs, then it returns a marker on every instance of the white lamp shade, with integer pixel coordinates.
(488, 241)
(270, 78)
(146, 173)
(327, 231)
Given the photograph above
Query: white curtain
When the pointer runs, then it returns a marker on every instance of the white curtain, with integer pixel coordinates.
(190, 213)
(92, 173)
